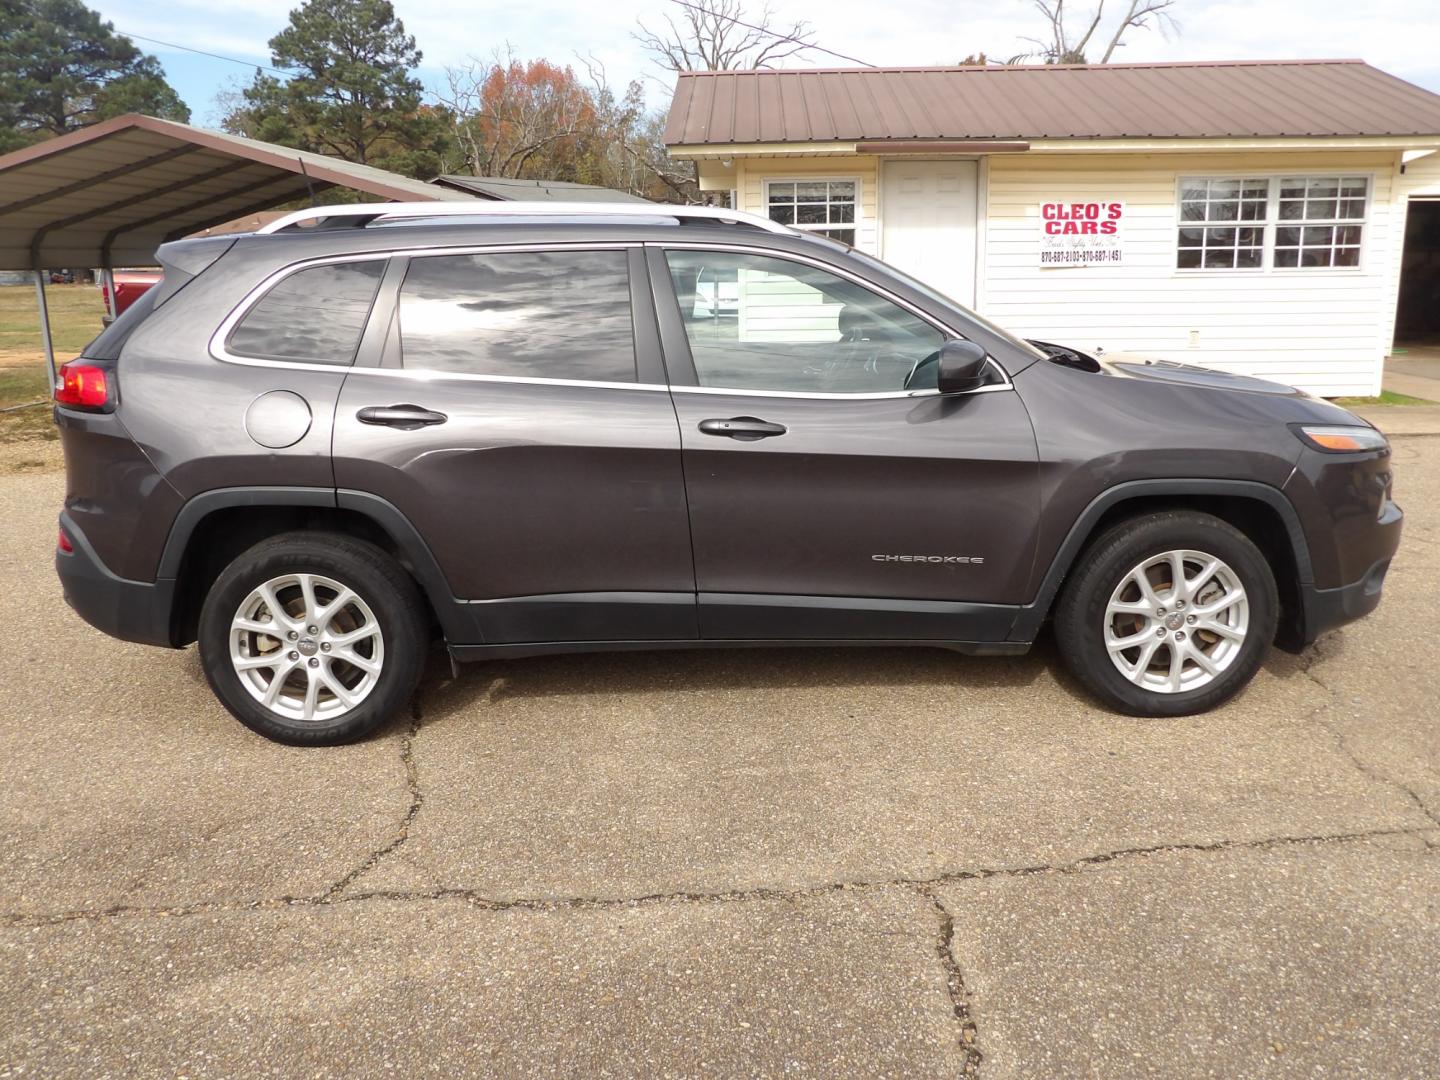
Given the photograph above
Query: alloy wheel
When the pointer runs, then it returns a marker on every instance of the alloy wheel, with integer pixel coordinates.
(306, 647)
(1176, 621)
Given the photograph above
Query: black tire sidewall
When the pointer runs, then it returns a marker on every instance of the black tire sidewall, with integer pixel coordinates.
(385, 588)
(1080, 618)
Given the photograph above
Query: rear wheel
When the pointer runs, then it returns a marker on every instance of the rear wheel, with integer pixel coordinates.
(313, 639)
(1170, 614)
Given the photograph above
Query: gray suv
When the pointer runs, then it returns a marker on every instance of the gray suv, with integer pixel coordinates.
(540, 429)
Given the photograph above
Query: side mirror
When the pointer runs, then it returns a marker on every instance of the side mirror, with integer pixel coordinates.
(961, 366)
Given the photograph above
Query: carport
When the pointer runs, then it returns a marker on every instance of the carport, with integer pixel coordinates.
(110, 194)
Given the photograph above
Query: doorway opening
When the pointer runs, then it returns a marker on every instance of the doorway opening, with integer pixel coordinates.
(1417, 318)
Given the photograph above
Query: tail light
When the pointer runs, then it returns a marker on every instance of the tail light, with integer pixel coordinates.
(85, 386)
(64, 543)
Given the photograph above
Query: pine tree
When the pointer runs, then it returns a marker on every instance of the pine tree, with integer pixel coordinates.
(353, 94)
(62, 67)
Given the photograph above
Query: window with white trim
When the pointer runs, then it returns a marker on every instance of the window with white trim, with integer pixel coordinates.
(1222, 223)
(826, 207)
(1285, 222)
(1315, 221)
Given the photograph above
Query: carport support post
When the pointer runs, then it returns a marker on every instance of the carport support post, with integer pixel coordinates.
(45, 325)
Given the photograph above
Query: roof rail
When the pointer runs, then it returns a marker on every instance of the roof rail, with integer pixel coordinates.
(369, 213)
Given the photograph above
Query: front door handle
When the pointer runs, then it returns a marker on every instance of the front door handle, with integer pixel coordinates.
(744, 428)
(405, 417)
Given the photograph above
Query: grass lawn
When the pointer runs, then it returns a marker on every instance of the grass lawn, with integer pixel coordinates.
(75, 312)
(1387, 397)
(19, 385)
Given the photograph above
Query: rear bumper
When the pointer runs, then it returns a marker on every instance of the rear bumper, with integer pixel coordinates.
(129, 610)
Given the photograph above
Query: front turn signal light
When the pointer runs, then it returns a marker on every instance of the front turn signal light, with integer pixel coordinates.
(1335, 439)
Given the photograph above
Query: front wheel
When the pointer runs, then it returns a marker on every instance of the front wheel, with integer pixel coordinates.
(313, 639)
(1171, 614)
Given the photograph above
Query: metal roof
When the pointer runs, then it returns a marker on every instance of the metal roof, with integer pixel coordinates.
(508, 188)
(110, 194)
(1236, 99)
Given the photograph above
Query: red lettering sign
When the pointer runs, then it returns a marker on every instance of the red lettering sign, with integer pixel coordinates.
(1082, 211)
(1081, 232)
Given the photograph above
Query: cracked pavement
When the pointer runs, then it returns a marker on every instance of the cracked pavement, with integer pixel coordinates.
(862, 862)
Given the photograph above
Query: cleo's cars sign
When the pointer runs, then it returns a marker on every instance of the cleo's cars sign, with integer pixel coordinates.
(1077, 233)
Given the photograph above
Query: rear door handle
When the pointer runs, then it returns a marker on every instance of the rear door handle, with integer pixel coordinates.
(405, 417)
(744, 428)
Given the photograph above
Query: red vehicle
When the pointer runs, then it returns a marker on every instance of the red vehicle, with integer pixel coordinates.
(130, 285)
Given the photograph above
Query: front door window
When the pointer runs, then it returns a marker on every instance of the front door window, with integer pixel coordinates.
(755, 322)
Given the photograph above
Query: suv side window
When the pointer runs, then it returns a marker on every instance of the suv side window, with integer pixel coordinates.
(757, 322)
(528, 314)
(314, 316)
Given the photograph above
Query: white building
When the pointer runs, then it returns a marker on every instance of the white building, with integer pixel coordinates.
(1245, 216)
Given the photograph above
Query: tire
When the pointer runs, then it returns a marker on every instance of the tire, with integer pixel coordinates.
(1086, 624)
(364, 607)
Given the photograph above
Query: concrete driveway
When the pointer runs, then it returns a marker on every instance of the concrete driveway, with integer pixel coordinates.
(820, 863)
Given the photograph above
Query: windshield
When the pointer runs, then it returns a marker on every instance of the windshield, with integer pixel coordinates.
(919, 286)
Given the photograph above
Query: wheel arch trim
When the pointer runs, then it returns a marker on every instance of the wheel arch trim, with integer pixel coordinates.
(1027, 624)
(385, 515)
(452, 614)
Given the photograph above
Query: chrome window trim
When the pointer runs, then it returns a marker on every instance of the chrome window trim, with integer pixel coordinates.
(879, 290)
(819, 396)
(219, 352)
(429, 376)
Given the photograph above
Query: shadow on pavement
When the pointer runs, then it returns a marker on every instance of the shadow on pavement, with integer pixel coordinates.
(702, 670)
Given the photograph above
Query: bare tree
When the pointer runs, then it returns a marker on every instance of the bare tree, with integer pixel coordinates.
(1061, 46)
(716, 35)
(711, 35)
(649, 152)
(634, 143)
(1141, 14)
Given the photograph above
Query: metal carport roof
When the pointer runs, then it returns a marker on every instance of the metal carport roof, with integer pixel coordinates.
(110, 194)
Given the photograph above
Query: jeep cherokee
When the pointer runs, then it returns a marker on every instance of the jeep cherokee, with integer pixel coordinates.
(543, 428)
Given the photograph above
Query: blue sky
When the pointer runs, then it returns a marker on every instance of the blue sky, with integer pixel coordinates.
(1397, 35)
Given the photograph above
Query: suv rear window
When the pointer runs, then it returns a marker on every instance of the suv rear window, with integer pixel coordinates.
(528, 314)
(314, 316)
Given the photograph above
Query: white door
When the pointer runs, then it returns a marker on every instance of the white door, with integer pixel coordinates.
(928, 222)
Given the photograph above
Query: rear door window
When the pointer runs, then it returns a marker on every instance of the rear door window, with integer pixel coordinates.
(522, 314)
(314, 316)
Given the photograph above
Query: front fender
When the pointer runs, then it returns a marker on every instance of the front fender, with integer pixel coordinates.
(1032, 615)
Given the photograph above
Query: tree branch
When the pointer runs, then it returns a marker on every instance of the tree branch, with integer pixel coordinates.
(1141, 13)
(716, 36)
